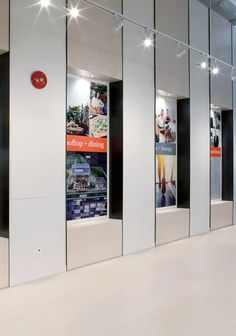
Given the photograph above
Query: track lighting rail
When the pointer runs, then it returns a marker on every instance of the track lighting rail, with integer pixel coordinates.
(159, 33)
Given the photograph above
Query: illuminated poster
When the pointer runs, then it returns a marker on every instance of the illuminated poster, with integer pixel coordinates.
(87, 130)
(166, 123)
(216, 154)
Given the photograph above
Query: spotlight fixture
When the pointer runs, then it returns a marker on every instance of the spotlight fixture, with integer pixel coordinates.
(44, 3)
(74, 12)
(147, 38)
(118, 23)
(204, 63)
(215, 69)
(233, 73)
(181, 51)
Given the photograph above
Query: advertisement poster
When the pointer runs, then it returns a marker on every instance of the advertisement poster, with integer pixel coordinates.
(87, 131)
(215, 135)
(216, 154)
(86, 185)
(166, 128)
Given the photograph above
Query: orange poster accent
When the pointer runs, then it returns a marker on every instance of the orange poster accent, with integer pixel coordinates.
(215, 152)
(77, 143)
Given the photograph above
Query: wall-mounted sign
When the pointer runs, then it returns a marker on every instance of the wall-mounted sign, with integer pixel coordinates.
(166, 167)
(39, 80)
(87, 146)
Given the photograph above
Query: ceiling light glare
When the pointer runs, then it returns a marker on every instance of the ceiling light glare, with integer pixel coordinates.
(181, 51)
(204, 63)
(233, 74)
(74, 12)
(44, 3)
(147, 39)
(215, 69)
(118, 23)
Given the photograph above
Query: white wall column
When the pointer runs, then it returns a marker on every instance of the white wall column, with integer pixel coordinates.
(37, 142)
(139, 145)
(199, 123)
(4, 26)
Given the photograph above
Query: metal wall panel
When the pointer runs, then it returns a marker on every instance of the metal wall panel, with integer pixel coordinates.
(199, 123)
(139, 146)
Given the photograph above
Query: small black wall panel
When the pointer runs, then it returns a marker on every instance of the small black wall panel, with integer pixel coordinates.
(116, 150)
(227, 156)
(183, 153)
(4, 145)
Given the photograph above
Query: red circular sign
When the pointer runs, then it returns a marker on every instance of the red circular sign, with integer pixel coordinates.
(39, 79)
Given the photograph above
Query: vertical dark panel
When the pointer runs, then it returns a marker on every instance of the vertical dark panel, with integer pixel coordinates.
(227, 156)
(4, 145)
(183, 153)
(116, 150)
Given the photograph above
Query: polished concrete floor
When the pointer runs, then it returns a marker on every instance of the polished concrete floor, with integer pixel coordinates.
(187, 288)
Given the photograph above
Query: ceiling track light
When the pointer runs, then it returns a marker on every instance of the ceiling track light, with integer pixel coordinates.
(181, 45)
(204, 63)
(148, 38)
(73, 12)
(44, 3)
(118, 23)
(181, 50)
(215, 68)
(233, 73)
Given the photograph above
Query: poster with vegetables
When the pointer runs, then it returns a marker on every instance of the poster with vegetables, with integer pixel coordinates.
(87, 133)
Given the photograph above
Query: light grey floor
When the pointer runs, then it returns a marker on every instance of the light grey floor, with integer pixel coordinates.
(185, 288)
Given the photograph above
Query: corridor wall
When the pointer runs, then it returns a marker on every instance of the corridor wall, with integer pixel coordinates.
(95, 50)
(138, 123)
(171, 71)
(221, 47)
(37, 130)
(199, 122)
(37, 143)
(92, 44)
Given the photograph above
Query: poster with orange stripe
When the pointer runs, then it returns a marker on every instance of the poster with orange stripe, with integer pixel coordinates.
(87, 145)
(216, 154)
(77, 143)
